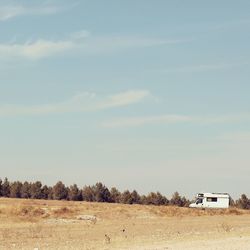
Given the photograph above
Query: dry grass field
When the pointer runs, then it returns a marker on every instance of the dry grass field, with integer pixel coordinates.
(40, 224)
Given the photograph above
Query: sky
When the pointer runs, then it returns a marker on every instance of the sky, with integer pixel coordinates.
(138, 94)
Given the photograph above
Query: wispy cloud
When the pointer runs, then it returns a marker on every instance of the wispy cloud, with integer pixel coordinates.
(83, 102)
(15, 10)
(203, 67)
(81, 42)
(174, 118)
(34, 50)
(112, 43)
(124, 99)
(216, 119)
(139, 121)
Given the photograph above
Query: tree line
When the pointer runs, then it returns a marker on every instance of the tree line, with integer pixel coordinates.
(95, 193)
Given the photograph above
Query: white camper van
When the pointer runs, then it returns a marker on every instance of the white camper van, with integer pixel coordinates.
(211, 200)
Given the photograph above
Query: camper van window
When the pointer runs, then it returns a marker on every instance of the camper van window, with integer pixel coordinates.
(211, 199)
(198, 201)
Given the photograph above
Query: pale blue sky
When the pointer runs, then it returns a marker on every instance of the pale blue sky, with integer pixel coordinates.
(146, 95)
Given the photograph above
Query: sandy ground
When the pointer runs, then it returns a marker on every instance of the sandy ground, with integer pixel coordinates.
(34, 224)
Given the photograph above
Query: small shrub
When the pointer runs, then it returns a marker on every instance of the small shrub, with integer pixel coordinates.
(226, 227)
(27, 212)
(63, 212)
(235, 211)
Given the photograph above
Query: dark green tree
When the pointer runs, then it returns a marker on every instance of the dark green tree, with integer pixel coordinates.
(115, 195)
(176, 200)
(88, 193)
(156, 199)
(16, 189)
(25, 191)
(36, 190)
(74, 194)
(45, 192)
(126, 197)
(59, 191)
(50, 193)
(185, 202)
(101, 193)
(144, 200)
(243, 202)
(136, 198)
(6, 188)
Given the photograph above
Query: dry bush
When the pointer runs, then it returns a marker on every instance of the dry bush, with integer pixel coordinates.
(235, 211)
(27, 212)
(229, 211)
(120, 211)
(64, 212)
(225, 227)
(173, 211)
(169, 211)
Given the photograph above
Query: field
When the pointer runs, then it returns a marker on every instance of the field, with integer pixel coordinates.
(40, 224)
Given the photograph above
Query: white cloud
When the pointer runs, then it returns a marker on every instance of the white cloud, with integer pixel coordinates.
(11, 11)
(34, 50)
(125, 98)
(83, 102)
(81, 42)
(174, 118)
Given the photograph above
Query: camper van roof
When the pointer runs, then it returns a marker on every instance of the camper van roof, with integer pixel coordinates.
(221, 195)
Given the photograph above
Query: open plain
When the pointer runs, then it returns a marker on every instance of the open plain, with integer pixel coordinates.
(42, 224)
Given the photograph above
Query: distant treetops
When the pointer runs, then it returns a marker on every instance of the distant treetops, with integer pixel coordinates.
(95, 193)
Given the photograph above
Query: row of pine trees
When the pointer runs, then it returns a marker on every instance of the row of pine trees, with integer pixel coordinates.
(95, 193)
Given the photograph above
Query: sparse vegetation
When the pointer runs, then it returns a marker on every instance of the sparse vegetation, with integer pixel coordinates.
(61, 224)
(226, 227)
